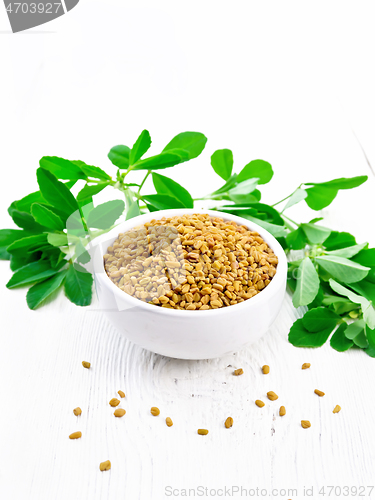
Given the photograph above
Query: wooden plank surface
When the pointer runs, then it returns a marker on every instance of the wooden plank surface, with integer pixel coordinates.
(302, 122)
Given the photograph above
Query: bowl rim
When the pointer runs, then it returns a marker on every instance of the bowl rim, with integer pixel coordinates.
(263, 296)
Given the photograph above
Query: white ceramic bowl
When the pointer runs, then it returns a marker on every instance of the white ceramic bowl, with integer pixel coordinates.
(189, 334)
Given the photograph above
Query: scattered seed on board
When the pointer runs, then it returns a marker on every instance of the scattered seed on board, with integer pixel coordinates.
(119, 412)
(86, 364)
(282, 411)
(169, 422)
(121, 394)
(228, 422)
(105, 465)
(77, 411)
(155, 411)
(114, 402)
(75, 435)
(237, 372)
(265, 369)
(202, 432)
(305, 424)
(336, 409)
(319, 393)
(259, 403)
(305, 366)
(272, 396)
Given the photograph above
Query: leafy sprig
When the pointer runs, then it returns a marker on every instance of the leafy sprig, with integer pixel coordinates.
(328, 271)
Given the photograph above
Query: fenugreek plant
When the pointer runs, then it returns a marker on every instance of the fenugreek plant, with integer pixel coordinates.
(334, 278)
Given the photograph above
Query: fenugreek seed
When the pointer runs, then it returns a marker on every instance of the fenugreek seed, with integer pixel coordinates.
(259, 403)
(121, 394)
(105, 465)
(114, 402)
(198, 250)
(305, 424)
(155, 411)
(305, 366)
(203, 432)
(228, 422)
(336, 409)
(237, 372)
(265, 369)
(75, 435)
(77, 411)
(86, 364)
(319, 393)
(272, 396)
(120, 412)
(282, 411)
(169, 422)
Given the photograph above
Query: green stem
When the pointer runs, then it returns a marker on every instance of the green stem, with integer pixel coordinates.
(289, 219)
(144, 180)
(286, 198)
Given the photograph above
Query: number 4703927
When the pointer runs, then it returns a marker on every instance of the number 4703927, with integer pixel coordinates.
(33, 8)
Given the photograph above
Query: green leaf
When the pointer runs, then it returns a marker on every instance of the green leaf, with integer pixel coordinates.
(365, 288)
(26, 221)
(46, 217)
(245, 187)
(83, 257)
(300, 337)
(119, 156)
(307, 284)
(27, 243)
(90, 190)
(163, 160)
(337, 240)
(18, 261)
(56, 193)
(24, 205)
(319, 197)
(7, 237)
(342, 269)
(320, 318)
(342, 183)
(361, 340)
(348, 252)
(276, 230)
(370, 334)
(366, 257)
(166, 186)
(78, 285)
(61, 168)
(222, 163)
(298, 195)
(354, 329)
(31, 273)
(192, 142)
(91, 171)
(370, 351)
(339, 305)
(296, 239)
(367, 309)
(105, 215)
(141, 145)
(339, 341)
(39, 292)
(315, 234)
(258, 169)
(162, 202)
(57, 240)
(231, 182)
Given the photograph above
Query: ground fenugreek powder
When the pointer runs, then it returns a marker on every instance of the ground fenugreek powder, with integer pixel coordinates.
(191, 262)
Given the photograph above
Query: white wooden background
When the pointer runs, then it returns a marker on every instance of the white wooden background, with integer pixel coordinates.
(288, 82)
